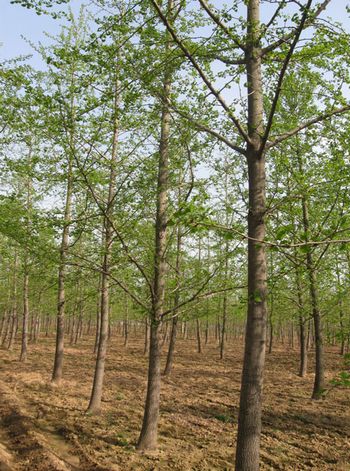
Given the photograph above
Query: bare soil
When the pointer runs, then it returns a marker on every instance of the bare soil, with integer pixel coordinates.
(45, 428)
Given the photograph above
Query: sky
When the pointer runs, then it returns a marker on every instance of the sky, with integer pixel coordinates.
(17, 22)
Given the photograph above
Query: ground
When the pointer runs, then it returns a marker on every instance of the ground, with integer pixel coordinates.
(45, 428)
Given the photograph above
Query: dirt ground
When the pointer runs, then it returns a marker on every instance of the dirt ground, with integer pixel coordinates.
(45, 428)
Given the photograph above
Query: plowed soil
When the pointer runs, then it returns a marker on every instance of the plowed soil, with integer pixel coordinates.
(45, 428)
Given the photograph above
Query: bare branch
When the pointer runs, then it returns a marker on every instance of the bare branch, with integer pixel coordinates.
(221, 24)
(307, 124)
(282, 75)
(201, 73)
(204, 128)
(287, 37)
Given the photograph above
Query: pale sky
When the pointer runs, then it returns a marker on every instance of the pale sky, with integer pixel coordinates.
(16, 21)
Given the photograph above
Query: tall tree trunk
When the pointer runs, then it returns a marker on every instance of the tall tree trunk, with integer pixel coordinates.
(341, 313)
(319, 383)
(61, 297)
(249, 419)
(126, 321)
(198, 336)
(24, 345)
(96, 394)
(98, 317)
(170, 356)
(146, 342)
(23, 355)
(224, 304)
(14, 318)
(271, 334)
(302, 330)
(149, 432)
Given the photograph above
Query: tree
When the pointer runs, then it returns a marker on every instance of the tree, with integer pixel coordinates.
(258, 139)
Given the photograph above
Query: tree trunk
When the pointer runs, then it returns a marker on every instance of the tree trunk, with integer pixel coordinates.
(14, 318)
(302, 333)
(170, 356)
(98, 317)
(126, 322)
(319, 383)
(23, 355)
(148, 436)
(198, 335)
(96, 394)
(61, 297)
(145, 348)
(149, 431)
(223, 327)
(271, 334)
(249, 419)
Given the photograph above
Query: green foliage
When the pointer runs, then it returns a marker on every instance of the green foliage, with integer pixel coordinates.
(343, 378)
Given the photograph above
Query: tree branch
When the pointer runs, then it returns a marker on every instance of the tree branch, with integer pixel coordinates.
(282, 75)
(306, 124)
(221, 24)
(202, 127)
(287, 37)
(201, 73)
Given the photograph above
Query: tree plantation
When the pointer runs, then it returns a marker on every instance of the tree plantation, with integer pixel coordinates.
(175, 236)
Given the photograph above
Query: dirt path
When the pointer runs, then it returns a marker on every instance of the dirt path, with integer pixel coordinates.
(46, 428)
(23, 447)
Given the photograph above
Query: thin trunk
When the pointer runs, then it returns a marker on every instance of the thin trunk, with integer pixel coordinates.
(224, 304)
(170, 356)
(198, 336)
(302, 333)
(126, 322)
(98, 317)
(145, 348)
(24, 345)
(223, 327)
(149, 432)
(319, 382)
(341, 314)
(14, 319)
(5, 326)
(271, 332)
(23, 355)
(61, 297)
(96, 394)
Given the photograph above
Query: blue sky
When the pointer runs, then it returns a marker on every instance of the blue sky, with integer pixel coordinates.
(16, 21)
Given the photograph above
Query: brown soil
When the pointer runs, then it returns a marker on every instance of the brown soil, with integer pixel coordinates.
(45, 428)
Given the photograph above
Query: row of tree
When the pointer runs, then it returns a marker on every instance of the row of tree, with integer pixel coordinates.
(133, 163)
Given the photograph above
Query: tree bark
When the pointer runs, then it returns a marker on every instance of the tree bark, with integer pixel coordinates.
(61, 297)
(96, 394)
(319, 383)
(23, 355)
(149, 432)
(14, 318)
(249, 419)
